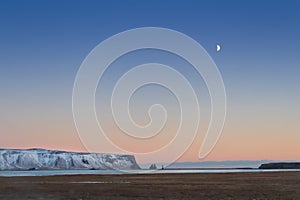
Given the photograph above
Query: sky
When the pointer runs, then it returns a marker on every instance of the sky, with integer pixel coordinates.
(43, 43)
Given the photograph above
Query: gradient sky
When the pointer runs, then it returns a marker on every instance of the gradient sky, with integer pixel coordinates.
(43, 43)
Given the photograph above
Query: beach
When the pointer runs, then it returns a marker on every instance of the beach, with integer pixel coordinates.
(255, 185)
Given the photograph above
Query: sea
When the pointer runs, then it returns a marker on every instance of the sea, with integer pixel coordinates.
(166, 171)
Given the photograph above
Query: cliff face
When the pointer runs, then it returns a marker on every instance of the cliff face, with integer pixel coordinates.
(46, 159)
(292, 165)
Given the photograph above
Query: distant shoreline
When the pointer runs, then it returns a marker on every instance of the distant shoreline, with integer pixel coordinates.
(46, 173)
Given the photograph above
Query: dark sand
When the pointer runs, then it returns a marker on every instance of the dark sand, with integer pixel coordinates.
(271, 185)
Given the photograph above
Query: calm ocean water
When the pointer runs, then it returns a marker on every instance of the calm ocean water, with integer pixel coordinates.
(179, 171)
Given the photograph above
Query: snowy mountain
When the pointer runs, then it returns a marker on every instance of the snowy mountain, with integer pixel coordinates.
(47, 159)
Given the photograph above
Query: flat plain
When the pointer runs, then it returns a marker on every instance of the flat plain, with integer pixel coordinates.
(256, 185)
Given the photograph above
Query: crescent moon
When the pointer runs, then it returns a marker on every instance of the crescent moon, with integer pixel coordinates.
(218, 47)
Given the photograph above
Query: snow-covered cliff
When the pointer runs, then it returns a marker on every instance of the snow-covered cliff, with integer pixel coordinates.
(47, 159)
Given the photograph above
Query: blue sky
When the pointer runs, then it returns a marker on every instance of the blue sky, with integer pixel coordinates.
(42, 44)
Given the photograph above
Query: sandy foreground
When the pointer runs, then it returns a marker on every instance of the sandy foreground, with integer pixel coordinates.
(268, 185)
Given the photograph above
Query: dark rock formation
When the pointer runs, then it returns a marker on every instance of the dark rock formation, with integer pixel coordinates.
(153, 166)
(282, 165)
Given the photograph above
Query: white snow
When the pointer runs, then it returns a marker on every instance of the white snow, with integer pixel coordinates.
(47, 159)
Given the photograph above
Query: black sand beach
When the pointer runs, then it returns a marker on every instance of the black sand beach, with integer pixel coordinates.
(266, 185)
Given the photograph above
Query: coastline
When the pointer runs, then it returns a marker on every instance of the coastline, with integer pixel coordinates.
(46, 173)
